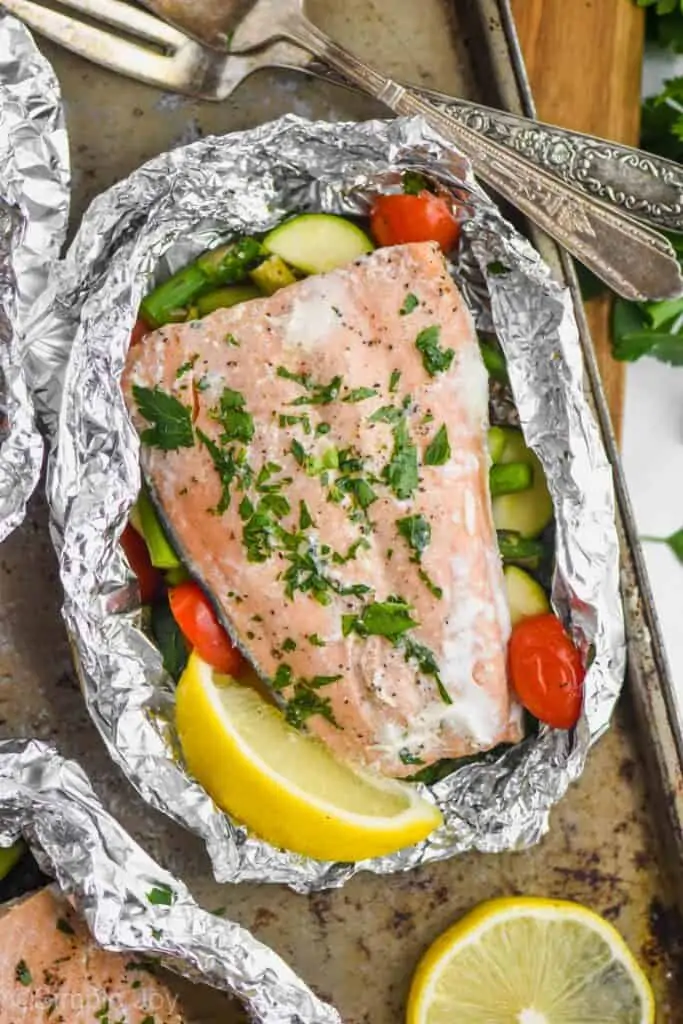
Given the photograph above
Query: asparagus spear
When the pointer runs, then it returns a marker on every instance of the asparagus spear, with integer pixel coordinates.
(517, 550)
(221, 298)
(494, 360)
(228, 264)
(509, 478)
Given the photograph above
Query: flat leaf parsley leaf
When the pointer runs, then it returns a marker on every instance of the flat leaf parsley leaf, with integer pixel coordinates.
(171, 420)
(434, 358)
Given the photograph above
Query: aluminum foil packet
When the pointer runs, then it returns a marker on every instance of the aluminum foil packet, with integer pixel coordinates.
(34, 206)
(157, 220)
(49, 801)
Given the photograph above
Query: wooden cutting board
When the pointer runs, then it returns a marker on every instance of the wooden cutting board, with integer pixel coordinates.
(584, 59)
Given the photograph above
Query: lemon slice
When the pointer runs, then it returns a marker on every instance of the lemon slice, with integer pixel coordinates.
(530, 961)
(285, 785)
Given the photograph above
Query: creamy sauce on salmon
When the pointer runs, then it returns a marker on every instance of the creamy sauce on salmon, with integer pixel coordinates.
(320, 461)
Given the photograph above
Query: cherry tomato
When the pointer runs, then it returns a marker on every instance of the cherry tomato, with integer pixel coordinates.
(196, 618)
(546, 671)
(149, 578)
(397, 219)
(138, 332)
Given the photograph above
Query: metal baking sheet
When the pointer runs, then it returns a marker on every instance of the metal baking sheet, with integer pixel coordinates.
(358, 946)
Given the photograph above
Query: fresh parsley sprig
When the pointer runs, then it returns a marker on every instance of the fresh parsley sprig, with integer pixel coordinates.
(665, 22)
(673, 541)
(656, 328)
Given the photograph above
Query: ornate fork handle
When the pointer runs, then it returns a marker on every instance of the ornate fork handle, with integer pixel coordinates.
(647, 187)
(635, 262)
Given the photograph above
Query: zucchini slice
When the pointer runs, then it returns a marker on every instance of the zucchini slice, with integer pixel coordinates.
(316, 242)
(525, 596)
(496, 442)
(527, 512)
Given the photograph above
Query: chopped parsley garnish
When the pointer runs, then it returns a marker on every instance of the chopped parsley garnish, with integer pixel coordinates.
(401, 471)
(259, 535)
(267, 470)
(438, 451)
(351, 553)
(231, 340)
(227, 465)
(407, 758)
(23, 974)
(186, 367)
(305, 517)
(246, 509)
(359, 394)
(161, 895)
(410, 303)
(318, 394)
(426, 662)
(298, 451)
(314, 465)
(282, 677)
(237, 423)
(359, 489)
(64, 927)
(394, 380)
(304, 379)
(306, 702)
(322, 428)
(390, 618)
(430, 584)
(316, 640)
(290, 421)
(171, 420)
(317, 681)
(275, 504)
(386, 414)
(102, 1015)
(416, 531)
(496, 268)
(317, 464)
(434, 358)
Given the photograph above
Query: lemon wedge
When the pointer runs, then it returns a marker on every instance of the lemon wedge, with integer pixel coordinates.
(284, 785)
(530, 961)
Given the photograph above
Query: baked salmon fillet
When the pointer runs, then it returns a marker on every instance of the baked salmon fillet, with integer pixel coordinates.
(319, 459)
(52, 970)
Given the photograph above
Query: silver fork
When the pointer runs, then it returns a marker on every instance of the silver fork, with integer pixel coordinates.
(635, 262)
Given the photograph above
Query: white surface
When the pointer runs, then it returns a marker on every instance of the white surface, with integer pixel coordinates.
(653, 462)
(653, 452)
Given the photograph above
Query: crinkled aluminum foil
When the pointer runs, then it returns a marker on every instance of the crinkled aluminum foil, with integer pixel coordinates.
(49, 800)
(174, 207)
(34, 205)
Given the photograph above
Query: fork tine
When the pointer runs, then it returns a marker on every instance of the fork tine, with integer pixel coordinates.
(100, 46)
(131, 19)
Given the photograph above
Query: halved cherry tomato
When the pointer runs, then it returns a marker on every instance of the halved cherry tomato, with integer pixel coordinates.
(397, 219)
(139, 331)
(546, 671)
(196, 618)
(149, 578)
